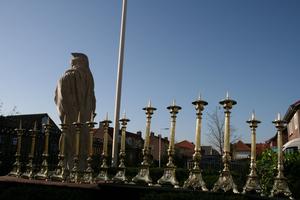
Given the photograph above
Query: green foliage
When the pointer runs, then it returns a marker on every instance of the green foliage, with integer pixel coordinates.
(266, 170)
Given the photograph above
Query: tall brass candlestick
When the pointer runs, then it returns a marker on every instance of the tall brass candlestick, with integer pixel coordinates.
(43, 173)
(252, 183)
(60, 173)
(29, 167)
(75, 175)
(225, 181)
(16, 170)
(88, 173)
(195, 180)
(120, 175)
(280, 182)
(103, 174)
(143, 175)
(169, 176)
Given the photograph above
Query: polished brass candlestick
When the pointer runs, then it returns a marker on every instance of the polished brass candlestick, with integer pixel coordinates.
(16, 170)
(43, 173)
(252, 183)
(88, 173)
(30, 167)
(280, 183)
(120, 175)
(169, 176)
(143, 175)
(75, 174)
(195, 180)
(225, 181)
(61, 173)
(103, 174)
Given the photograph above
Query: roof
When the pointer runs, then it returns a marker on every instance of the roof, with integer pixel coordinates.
(240, 146)
(185, 144)
(291, 111)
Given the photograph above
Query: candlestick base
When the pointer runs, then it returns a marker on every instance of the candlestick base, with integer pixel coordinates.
(74, 175)
(169, 177)
(252, 184)
(103, 175)
(195, 181)
(28, 174)
(60, 173)
(225, 183)
(281, 187)
(143, 175)
(88, 173)
(43, 173)
(16, 170)
(120, 176)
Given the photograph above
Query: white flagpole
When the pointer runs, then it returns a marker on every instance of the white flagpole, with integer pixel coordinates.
(119, 87)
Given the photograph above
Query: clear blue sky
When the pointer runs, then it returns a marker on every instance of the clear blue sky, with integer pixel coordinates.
(174, 50)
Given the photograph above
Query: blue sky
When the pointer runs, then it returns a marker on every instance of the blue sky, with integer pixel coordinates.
(174, 49)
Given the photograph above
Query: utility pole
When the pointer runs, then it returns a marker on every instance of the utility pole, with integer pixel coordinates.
(119, 87)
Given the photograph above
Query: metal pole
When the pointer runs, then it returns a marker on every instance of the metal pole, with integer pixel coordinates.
(119, 87)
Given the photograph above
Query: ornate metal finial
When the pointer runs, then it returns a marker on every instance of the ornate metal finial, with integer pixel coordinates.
(169, 176)
(60, 172)
(43, 174)
(195, 180)
(30, 167)
(88, 172)
(143, 175)
(252, 183)
(225, 181)
(120, 175)
(16, 170)
(280, 181)
(103, 173)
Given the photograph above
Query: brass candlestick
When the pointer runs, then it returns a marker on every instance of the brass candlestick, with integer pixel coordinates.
(75, 175)
(61, 173)
(225, 181)
(30, 167)
(169, 176)
(43, 173)
(88, 173)
(195, 180)
(16, 170)
(280, 184)
(120, 175)
(143, 175)
(252, 183)
(103, 174)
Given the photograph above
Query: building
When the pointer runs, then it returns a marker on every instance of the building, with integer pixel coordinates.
(158, 148)
(292, 118)
(8, 139)
(134, 145)
(240, 150)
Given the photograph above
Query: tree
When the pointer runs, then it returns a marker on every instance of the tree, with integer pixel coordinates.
(216, 130)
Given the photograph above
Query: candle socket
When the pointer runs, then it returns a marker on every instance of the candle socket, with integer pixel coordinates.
(169, 176)
(195, 180)
(225, 181)
(143, 176)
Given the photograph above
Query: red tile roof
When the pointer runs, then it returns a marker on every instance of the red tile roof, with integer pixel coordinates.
(185, 144)
(240, 146)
